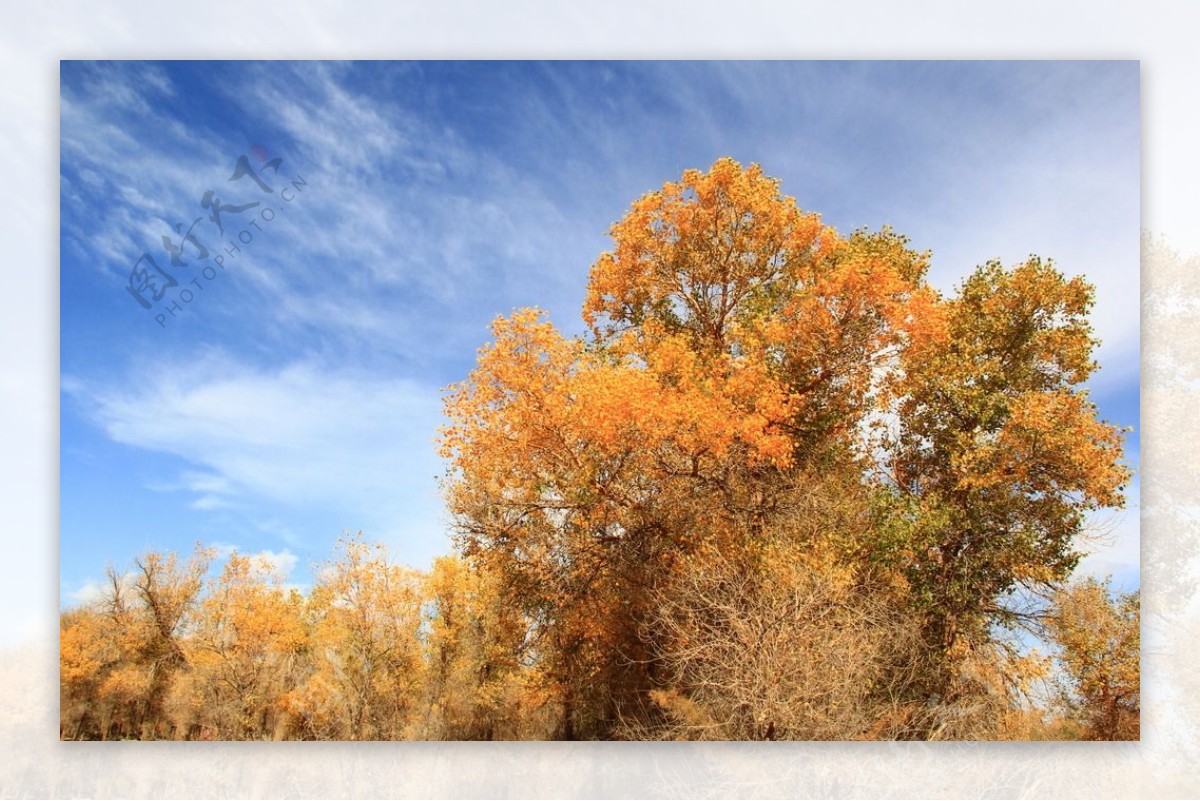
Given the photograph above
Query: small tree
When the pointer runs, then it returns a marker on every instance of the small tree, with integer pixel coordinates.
(1100, 639)
(366, 616)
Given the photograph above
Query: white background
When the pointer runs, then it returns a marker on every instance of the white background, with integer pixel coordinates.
(33, 763)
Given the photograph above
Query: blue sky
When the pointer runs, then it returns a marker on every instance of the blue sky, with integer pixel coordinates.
(297, 394)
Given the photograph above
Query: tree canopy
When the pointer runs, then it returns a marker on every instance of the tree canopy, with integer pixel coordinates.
(758, 385)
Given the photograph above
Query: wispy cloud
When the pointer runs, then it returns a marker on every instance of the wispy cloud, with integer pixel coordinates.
(94, 591)
(407, 241)
(301, 436)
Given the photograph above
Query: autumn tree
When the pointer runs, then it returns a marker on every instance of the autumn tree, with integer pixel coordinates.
(561, 520)
(473, 682)
(999, 455)
(734, 345)
(1099, 635)
(121, 654)
(365, 615)
(89, 652)
(245, 653)
(739, 352)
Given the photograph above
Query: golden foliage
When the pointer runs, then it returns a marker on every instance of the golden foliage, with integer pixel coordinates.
(1100, 638)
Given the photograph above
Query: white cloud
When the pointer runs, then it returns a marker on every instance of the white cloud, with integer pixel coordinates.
(277, 529)
(278, 563)
(90, 592)
(93, 591)
(206, 482)
(302, 437)
(206, 503)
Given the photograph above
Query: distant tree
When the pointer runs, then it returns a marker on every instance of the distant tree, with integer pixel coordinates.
(121, 655)
(366, 618)
(245, 653)
(1099, 635)
(474, 639)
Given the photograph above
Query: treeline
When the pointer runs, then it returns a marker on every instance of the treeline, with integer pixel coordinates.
(177, 650)
(782, 489)
(374, 651)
